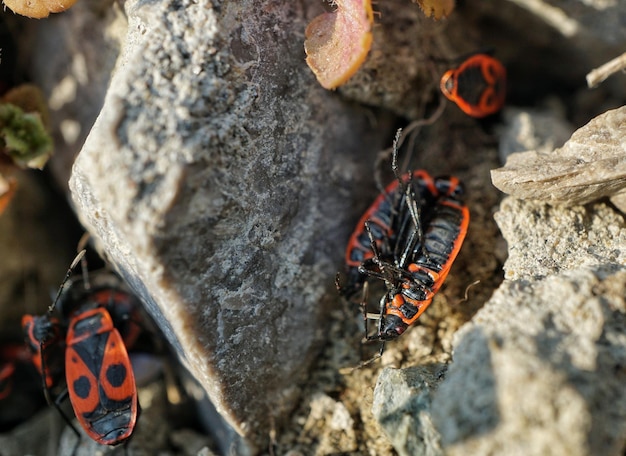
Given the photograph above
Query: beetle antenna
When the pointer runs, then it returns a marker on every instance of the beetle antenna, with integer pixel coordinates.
(83, 264)
(394, 156)
(68, 274)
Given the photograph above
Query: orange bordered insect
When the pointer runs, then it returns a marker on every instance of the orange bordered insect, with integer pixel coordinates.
(477, 86)
(385, 223)
(85, 344)
(428, 252)
(424, 223)
(45, 338)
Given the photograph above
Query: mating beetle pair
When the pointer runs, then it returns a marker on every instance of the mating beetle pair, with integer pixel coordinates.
(408, 238)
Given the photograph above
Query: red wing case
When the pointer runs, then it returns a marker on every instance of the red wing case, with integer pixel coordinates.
(100, 378)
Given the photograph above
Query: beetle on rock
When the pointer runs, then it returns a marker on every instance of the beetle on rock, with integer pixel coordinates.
(85, 343)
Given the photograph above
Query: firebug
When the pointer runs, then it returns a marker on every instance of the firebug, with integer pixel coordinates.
(477, 86)
(408, 238)
(84, 342)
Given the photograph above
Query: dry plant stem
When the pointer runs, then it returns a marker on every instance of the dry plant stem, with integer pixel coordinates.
(598, 75)
(467, 289)
(410, 131)
(414, 127)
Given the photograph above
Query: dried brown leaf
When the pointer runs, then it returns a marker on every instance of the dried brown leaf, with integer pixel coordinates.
(337, 43)
(38, 9)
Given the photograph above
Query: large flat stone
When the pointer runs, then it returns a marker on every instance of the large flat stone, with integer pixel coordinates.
(218, 180)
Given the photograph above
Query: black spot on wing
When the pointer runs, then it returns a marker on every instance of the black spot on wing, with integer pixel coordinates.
(82, 387)
(116, 374)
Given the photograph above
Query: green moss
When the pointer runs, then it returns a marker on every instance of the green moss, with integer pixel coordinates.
(24, 136)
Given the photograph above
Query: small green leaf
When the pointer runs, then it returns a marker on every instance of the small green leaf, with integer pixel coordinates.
(25, 138)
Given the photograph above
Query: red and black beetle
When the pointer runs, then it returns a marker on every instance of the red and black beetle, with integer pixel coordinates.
(477, 86)
(417, 275)
(385, 225)
(415, 230)
(85, 343)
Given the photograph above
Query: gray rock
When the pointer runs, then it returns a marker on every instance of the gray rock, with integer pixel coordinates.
(540, 370)
(591, 165)
(218, 178)
(402, 401)
(334, 417)
(545, 240)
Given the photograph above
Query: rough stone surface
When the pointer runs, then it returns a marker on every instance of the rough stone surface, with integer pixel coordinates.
(402, 401)
(540, 370)
(218, 178)
(545, 240)
(591, 165)
(334, 415)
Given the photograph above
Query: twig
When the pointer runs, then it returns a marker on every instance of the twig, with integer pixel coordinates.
(598, 75)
